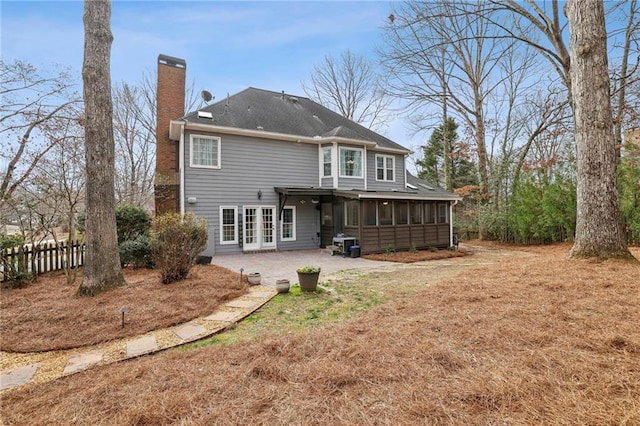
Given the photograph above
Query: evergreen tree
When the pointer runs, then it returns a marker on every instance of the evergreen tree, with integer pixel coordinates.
(432, 165)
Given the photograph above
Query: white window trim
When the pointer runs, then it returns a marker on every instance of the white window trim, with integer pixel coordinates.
(362, 163)
(393, 168)
(200, 166)
(293, 208)
(235, 225)
(322, 150)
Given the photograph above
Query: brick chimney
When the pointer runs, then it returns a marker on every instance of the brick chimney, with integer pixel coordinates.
(170, 106)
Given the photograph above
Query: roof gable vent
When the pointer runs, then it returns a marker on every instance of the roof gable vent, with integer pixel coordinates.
(205, 114)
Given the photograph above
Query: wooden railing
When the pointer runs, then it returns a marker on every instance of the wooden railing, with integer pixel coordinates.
(45, 257)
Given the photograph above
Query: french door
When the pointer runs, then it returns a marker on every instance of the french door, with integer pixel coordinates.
(259, 227)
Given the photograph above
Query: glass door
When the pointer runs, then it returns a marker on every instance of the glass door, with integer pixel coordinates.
(259, 227)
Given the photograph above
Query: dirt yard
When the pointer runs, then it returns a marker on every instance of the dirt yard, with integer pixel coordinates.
(529, 339)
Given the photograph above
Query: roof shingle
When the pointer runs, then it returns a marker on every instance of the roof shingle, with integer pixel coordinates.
(259, 109)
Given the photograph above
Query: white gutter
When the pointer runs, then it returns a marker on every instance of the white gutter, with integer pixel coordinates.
(388, 196)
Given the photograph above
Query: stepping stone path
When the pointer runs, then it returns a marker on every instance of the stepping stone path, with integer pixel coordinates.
(223, 316)
(190, 330)
(82, 362)
(141, 346)
(17, 376)
(241, 304)
(233, 311)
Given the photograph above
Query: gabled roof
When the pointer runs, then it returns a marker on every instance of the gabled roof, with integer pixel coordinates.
(266, 111)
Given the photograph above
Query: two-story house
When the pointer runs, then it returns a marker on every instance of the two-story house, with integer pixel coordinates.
(273, 171)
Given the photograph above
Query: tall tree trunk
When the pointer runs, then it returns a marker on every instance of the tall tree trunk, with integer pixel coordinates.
(599, 229)
(102, 263)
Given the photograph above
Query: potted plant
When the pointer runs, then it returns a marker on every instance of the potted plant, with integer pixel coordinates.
(308, 277)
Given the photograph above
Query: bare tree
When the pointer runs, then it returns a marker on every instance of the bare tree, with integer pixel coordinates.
(102, 262)
(350, 86)
(441, 53)
(33, 105)
(134, 123)
(599, 227)
(135, 143)
(627, 74)
(58, 182)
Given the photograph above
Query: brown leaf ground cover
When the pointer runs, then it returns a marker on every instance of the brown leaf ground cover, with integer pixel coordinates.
(47, 315)
(417, 256)
(534, 339)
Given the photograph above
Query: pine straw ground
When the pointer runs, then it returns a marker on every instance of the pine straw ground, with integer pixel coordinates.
(47, 315)
(535, 339)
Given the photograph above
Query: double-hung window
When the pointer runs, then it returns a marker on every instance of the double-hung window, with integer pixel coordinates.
(350, 162)
(385, 169)
(205, 151)
(326, 162)
(228, 225)
(288, 224)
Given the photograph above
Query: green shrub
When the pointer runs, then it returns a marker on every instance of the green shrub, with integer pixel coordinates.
(176, 242)
(136, 253)
(131, 221)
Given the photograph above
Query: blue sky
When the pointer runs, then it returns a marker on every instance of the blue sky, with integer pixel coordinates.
(228, 45)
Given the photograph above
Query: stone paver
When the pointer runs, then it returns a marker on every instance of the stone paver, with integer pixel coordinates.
(261, 294)
(223, 316)
(17, 376)
(82, 361)
(141, 346)
(189, 331)
(244, 304)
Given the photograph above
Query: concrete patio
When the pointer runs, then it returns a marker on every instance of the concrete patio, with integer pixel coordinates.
(274, 266)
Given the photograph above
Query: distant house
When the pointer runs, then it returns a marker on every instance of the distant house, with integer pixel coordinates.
(273, 171)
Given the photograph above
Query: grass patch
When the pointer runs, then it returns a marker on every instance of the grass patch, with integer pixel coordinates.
(298, 312)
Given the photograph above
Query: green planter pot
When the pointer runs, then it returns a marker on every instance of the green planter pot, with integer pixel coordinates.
(308, 280)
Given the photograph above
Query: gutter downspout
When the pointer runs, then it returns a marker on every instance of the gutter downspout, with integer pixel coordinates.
(181, 169)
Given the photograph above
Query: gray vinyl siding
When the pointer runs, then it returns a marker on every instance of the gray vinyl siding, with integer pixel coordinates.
(307, 225)
(249, 165)
(399, 171)
(351, 183)
(327, 182)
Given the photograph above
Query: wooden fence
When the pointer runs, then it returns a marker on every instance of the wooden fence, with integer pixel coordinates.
(41, 258)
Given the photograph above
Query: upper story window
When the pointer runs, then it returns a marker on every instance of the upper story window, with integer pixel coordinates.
(350, 162)
(205, 151)
(385, 168)
(326, 161)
